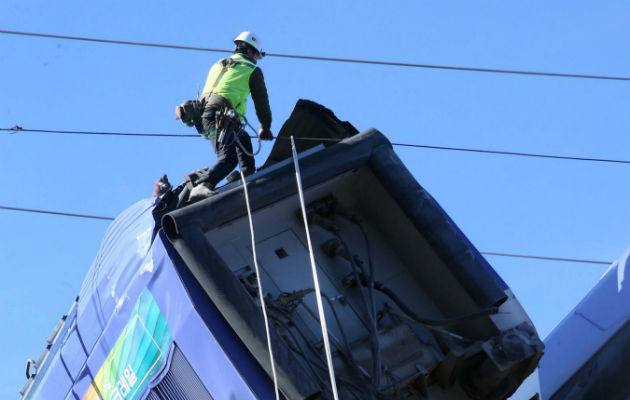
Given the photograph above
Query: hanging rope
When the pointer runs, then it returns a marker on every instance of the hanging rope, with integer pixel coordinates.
(318, 296)
(255, 136)
(260, 290)
(238, 142)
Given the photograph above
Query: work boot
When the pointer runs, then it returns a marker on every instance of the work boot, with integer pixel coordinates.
(200, 192)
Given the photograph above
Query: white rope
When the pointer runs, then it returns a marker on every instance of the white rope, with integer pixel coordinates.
(260, 290)
(318, 295)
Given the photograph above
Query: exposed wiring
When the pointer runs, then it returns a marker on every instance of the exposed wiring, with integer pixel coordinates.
(344, 350)
(354, 219)
(357, 270)
(341, 330)
(484, 312)
(297, 298)
(431, 327)
(299, 350)
(334, 208)
(317, 361)
(320, 58)
(349, 356)
(350, 386)
(370, 311)
(287, 300)
(369, 319)
(360, 372)
(359, 223)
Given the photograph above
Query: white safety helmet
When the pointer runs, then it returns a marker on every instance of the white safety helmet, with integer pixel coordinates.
(252, 40)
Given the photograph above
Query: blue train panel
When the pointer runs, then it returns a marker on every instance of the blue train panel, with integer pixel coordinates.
(135, 320)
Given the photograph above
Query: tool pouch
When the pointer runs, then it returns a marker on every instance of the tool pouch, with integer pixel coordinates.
(189, 112)
(228, 124)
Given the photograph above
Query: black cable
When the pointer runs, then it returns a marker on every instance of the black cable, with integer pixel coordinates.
(349, 357)
(319, 58)
(18, 128)
(56, 213)
(512, 153)
(547, 258)
(353, 218)
(389, 310)
(299, 350)
(484, 312)
(344, 338)
(112, 41)
(453, 68)
(308, 343)
(371, 304)
(371, 318)
(499, 152)
(311, 346)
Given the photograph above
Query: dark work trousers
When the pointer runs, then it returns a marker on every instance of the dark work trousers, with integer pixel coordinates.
(228, 153)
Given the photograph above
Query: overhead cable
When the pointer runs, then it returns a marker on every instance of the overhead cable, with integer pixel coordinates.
(65, 214)
(320, 58)
(513, 153)
(547, 258)
(18, 128)
(55, 213)
(169, 135)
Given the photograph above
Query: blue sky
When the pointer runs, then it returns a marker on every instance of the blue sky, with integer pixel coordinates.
(560, 208)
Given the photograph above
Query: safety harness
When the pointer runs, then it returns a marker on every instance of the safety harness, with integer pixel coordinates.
(228, 122)
(226, 64)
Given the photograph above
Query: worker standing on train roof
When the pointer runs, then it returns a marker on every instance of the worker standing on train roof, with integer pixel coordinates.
(227, 87)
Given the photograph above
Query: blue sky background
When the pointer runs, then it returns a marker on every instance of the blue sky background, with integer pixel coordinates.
(573, 209)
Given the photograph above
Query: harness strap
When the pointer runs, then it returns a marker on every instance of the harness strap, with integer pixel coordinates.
(228, 63)
(223, 71)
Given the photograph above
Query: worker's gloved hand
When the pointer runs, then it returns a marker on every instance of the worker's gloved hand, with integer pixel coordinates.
(265, 134)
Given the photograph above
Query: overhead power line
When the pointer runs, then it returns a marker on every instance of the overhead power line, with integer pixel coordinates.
(513, 153)
(96, 133)
(65, 214)
(32, 210)
(320, 58)
(547, 258)
(170, 135)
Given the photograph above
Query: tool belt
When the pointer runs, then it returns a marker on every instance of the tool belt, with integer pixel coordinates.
(228, 124)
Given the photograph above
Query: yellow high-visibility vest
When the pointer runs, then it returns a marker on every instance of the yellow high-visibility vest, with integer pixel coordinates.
(229, 78)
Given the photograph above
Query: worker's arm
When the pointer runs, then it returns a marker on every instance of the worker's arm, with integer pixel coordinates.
(260, 97)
